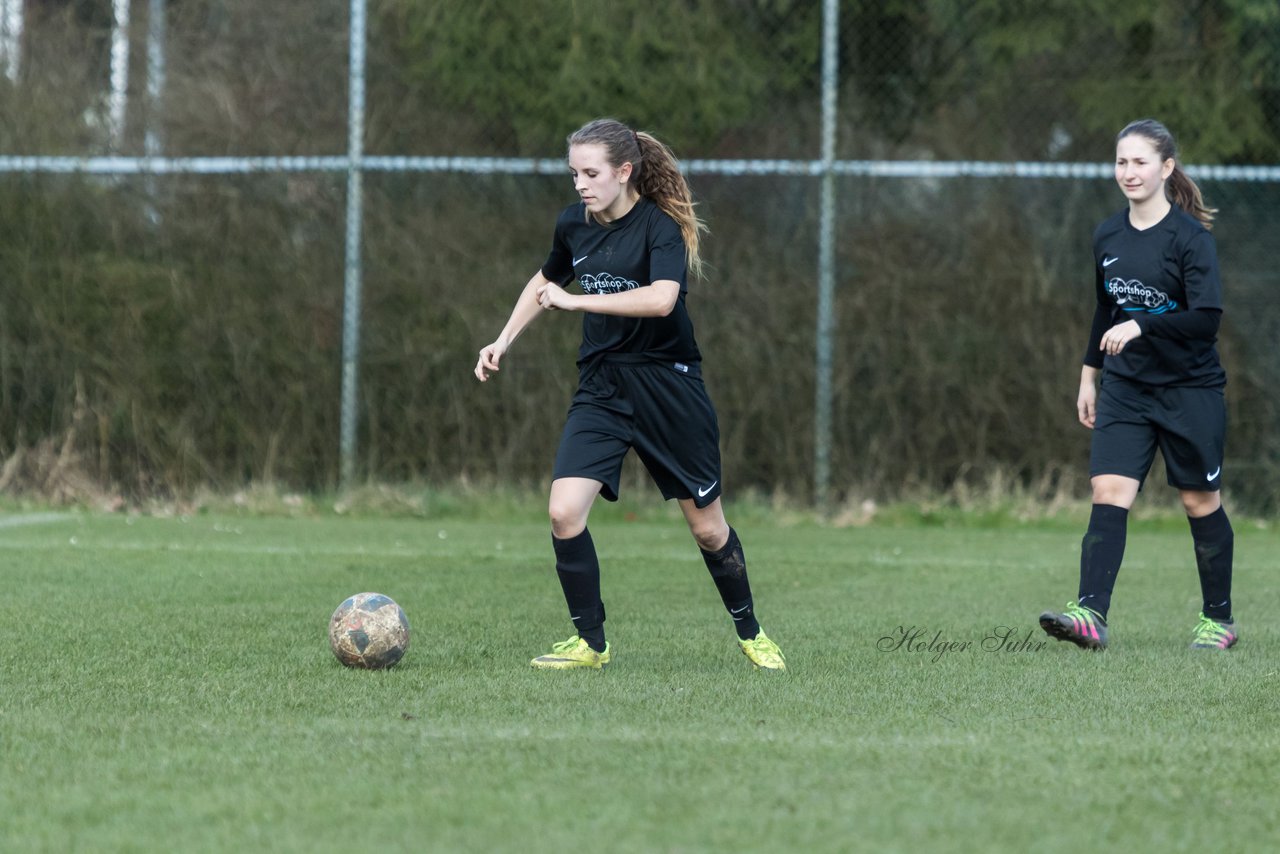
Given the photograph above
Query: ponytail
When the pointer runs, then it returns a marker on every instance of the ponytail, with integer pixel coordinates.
(655, 173)
(1184, 193)
(660, 179)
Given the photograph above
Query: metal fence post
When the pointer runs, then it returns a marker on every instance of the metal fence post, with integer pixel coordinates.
(153, 141)
(825, 331)
(355, 219)
(118, 103)
(11, 19)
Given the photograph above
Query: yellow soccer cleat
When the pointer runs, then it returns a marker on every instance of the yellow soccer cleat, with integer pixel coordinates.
(764, 653)
(575, 652)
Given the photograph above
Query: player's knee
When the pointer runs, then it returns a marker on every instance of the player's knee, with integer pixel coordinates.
(566, 520)
(1104, 495)
(710, 536)
(1199, 504)
(1119, 492)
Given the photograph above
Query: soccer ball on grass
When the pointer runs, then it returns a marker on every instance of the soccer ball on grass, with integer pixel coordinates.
(370, 631)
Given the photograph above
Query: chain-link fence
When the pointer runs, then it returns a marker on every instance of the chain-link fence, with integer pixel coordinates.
(173, 313)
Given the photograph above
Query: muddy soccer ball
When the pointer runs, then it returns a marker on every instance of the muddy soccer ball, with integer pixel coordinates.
(369, 630)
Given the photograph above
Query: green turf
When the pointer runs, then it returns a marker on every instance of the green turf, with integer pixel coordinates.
(166, 685)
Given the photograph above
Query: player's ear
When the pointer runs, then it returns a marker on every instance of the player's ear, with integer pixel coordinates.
(1166, 169)
(624, 172)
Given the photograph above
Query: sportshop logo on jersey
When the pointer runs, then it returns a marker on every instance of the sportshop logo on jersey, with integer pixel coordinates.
(1132, 295)
(605, 284)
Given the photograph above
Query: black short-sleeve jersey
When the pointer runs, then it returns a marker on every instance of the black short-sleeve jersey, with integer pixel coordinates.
(633, 251)
(1149, 276)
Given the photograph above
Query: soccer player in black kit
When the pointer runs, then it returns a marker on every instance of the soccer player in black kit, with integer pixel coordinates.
(1159, 303)
(629, 243)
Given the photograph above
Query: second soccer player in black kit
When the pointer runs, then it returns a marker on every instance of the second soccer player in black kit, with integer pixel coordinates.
(1159, 303)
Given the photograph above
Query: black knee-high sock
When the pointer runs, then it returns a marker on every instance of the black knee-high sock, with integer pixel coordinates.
(728, 569)
(1101, 552)
(579, 572)
(1215, 550)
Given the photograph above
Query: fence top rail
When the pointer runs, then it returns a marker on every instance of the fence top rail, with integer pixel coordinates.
(556, 166)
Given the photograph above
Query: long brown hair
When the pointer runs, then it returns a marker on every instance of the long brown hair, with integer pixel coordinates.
(1179, 188)
(655, 173)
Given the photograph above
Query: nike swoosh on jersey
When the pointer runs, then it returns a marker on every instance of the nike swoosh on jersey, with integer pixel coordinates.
(577, 261)
(1106, 262)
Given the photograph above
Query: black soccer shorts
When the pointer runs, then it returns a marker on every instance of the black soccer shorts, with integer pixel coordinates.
(660, 409)
(1188, 425)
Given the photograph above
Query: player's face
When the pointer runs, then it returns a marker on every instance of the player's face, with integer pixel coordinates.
(1140, 171)
(602, 187)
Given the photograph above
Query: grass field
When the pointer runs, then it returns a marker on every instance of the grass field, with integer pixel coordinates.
(166, 685)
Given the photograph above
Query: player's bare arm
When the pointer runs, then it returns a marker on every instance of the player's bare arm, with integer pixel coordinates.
(654, 300)
(526, 309)
(1114, 339)
(1087, 400)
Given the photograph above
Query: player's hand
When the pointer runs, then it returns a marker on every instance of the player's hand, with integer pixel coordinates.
(551, 296)
(1087, 404)
(1114, 339)
(488, 360)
